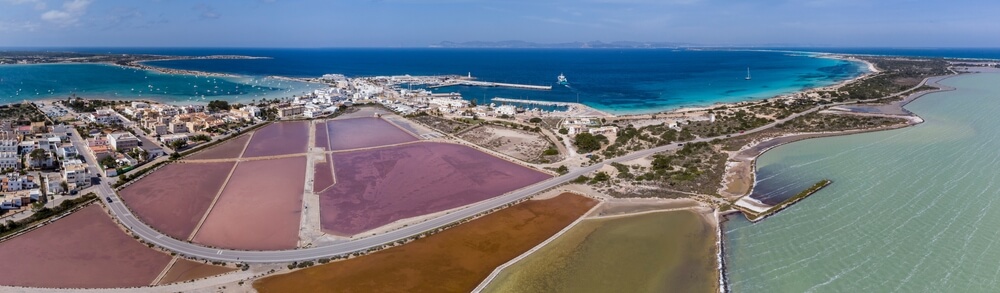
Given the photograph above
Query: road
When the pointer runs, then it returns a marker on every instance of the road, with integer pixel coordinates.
(150, 235)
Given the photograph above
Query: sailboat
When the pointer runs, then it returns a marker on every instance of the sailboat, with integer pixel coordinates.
(748, 73)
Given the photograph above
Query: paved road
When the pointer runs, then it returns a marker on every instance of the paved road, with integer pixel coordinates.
(194, 250)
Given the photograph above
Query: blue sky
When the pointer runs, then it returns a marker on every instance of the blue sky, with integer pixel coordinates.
(393, 23)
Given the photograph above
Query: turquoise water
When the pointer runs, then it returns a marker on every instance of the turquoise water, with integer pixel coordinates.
(33, 82)
(909, 210)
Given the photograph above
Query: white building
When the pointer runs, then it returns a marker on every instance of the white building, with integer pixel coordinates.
(448, 102)
(68, 152)
(16, 182)
(122, 140)
(8, 151)
(167, 139)
(253, 111)
(75, 174)
(140, 105)
(53, 184)
(508, 110)
(101, 116)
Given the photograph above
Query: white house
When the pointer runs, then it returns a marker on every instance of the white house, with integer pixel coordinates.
(75, 174)
(508, 110)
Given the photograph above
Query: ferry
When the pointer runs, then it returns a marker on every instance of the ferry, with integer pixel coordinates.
(562, 79)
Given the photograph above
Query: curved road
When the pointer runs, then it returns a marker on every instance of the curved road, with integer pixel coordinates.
(150, 235)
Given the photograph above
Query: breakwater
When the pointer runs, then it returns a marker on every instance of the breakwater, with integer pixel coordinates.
(756, 215)
(492, 84)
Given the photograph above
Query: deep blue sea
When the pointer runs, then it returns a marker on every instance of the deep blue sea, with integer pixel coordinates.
(618, 81)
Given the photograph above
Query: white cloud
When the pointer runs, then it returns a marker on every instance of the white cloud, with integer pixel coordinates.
(70, 13)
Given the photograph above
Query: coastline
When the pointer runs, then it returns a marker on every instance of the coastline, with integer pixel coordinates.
(753, 151)
(871, 70)
(723, 217)
(140, 66)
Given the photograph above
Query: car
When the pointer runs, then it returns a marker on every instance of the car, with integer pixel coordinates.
(680, 144)
(108, 198)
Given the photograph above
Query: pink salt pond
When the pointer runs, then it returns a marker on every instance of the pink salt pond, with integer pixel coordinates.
(280, 138)
(354, 133)
(379, 186)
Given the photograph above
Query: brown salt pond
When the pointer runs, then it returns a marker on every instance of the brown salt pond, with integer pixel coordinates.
(455, 260)
(83, 250)
(280, 138)
(185, 270)
(259, 209)
(175, 197)
(380, 186)
(346, 134)
(229, 149)
(323, 177)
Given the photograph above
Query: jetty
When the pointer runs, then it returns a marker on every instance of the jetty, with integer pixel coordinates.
(465, 82)
(756, 211)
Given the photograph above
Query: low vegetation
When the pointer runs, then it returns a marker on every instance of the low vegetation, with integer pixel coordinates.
(440, 124)
(45, 213)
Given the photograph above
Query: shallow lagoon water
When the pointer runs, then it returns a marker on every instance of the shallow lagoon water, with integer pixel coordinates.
(44, 81)
(653, 252)
(909, 210)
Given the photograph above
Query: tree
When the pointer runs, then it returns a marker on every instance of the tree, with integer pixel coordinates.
(563, 131)
(562, 169)
(177, 144)
(218, 105)
(535, 120)
(37, 156)
(586, 142)
(109, 162)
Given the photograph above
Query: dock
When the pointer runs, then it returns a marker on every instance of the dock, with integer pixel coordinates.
(755, 211)
(456, 82)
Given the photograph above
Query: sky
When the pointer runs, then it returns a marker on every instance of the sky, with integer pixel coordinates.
(419, 23)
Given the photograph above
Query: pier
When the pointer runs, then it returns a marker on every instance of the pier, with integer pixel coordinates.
(455, 82)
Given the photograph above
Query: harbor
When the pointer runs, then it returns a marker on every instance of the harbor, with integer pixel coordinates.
(466, 82)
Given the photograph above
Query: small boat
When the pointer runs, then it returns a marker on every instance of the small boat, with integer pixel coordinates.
(748, 73)
(562, 79)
